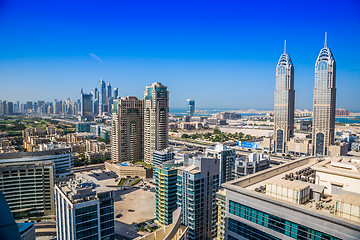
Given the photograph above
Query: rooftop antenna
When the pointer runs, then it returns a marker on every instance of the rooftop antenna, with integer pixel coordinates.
(285, 47)
(325, 44)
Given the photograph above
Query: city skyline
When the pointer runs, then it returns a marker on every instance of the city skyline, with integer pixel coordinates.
(222, 53)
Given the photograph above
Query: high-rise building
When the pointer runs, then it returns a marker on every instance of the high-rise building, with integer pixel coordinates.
(156, 114)
(102, 96)
(284, 100)
(108, 92)
(275, 204)
(8, 227)
(191, 107)
(165, 176)
(226, 156)
(95, 106)
(83, 210)
(198, 181)
(161, 156)
(324, 102)
(3, 108)
(127, 133)
(86, 102)
(28, 187)
(116, 93)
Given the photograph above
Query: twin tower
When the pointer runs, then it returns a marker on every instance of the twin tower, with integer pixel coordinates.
(323, 124)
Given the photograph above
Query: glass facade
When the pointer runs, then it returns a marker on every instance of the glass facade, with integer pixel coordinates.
(283, 226)
(248, 231)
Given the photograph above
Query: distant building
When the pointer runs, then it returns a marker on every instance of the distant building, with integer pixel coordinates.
(250, 164)
(28, 187)
(190, 107)
(102, 97)
(83, 127)
(156, 114)
(226, 156)
(83, 210)
(342, 112)
(227, 115)
(323, 129)
(86, 105)
(116, 93)
(198, 181)
(127, 130)
(284, 97)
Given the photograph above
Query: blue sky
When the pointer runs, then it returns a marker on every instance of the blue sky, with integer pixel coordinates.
(221, 53)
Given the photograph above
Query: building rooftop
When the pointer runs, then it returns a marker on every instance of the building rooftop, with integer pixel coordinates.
(349, 167)
(297, 175)
(82, 189)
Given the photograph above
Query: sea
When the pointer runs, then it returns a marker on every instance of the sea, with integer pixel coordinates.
(209, 112)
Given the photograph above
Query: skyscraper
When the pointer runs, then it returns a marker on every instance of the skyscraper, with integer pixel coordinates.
(86, 102)
(102, 96)
(284, 102)
(324, 101)
(156, 111)
(197, 183)
(116, 93)
(191, 107)
(127, 132)
(108, 91)
(95, 106)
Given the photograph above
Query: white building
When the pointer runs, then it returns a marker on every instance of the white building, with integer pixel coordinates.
(83, 211)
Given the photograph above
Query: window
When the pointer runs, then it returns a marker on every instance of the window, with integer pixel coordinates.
(275, 223)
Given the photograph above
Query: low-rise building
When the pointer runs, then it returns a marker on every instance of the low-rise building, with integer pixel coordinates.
(128, 170)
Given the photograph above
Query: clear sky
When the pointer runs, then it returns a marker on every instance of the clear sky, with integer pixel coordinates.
(221, 53)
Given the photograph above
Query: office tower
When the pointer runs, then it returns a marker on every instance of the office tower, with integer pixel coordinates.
(116, 93)
(102, 96)
(127, 133)
(8, 227)
(9, 108)
(190, 107)
(3, 108)
(84, 210)
(60, 157)
(324, 102)
(156, 114)
(86, 102)
(165, 176)
(95, 106)
(29, 106)
(252, 163)
(108, 92)
(273, 204)
(226, 156)
(284, 100)
(28, 187)
(198, 181)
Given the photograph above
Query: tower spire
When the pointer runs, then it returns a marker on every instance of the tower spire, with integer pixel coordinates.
(325, 44)
(285, 47)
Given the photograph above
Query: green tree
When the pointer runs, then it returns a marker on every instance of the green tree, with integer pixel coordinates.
(217, 131)
(185, 135)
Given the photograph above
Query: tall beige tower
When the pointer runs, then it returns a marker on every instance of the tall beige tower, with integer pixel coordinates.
(324, 102)
(127, 133)
(284, 100)
(156, 115)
